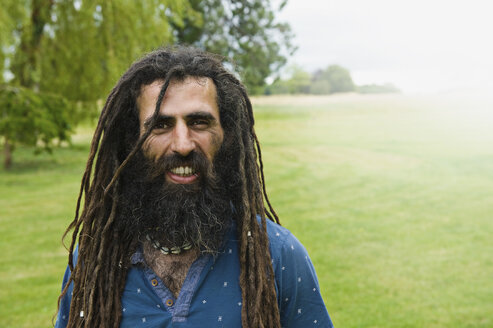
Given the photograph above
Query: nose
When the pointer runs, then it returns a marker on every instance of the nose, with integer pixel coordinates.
(182, 142)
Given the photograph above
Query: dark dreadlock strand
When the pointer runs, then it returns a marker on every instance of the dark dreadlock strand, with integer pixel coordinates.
(258, 274)
(75, 224)
(171, 73)
(270, 213)
(104, 249)
(89, 228)
(253, 242)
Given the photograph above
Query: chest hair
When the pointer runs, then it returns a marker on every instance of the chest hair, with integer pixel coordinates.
(171, 268)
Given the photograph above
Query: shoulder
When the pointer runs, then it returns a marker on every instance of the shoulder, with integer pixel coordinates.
(298, 291)
(64, 308)
(282, 240)
(285, 247)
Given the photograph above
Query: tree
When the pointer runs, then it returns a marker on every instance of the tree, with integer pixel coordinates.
(278, 87)
(9, 12)
(297, 81)
(32, 119)
(80, 48)
(114, 34)
(378, 88)
(246, 32)
(29, 32)
(331, 80)
(338, 78)
(320, 87)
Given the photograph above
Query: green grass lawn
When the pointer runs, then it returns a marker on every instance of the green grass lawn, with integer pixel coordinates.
(391, 195)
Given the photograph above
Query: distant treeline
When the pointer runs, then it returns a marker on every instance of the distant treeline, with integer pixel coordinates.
(333, 79)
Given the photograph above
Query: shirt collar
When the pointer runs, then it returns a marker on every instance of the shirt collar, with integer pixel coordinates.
(138, 256)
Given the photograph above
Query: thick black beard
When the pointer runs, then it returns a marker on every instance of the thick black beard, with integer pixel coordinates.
(173, 214)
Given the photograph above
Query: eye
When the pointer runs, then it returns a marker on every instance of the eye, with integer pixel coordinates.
(161, 126)
(199, 123)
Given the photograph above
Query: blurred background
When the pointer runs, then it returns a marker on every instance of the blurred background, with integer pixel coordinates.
(375, 119)
(420, 46)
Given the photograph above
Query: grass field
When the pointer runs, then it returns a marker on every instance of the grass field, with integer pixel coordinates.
(391, 195)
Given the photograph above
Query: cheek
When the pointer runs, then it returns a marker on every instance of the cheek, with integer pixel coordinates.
(216, 141)
(152, 147)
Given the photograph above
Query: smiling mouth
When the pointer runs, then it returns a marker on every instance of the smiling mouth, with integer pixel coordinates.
(182, 175)
(183, 171)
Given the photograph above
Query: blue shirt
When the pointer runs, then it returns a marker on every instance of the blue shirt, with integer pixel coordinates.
(211, 294)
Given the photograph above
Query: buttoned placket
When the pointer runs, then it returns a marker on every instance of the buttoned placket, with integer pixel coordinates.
(178, 307)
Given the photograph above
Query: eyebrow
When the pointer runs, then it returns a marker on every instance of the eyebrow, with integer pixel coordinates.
(190, 116)
(201, 115)
(159, 118)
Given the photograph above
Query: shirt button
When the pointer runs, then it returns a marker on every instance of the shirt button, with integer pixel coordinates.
(169, 302)
(154, 282)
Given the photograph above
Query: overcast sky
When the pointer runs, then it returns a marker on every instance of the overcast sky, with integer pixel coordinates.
(419, 45)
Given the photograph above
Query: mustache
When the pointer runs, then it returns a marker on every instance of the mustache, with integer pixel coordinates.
(196, 160)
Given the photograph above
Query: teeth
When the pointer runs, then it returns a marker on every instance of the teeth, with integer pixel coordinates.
(183, 170)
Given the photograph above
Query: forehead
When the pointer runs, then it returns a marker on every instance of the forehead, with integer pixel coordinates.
(182, 96)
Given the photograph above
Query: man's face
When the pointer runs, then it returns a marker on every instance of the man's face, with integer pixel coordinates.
(188, 122)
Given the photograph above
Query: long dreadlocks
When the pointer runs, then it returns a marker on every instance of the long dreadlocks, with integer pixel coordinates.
(105, 250)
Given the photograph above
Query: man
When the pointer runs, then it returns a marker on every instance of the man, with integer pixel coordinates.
(174, 231)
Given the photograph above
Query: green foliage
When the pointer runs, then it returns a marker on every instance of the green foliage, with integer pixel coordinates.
(320, 87)
(92, 44)
(9, 12)
(299, 82)
(334, 79)
(32, 119)
(378, 88)
(338, 78)
(29, 22)
(279, 87)
(323, 82)
(80, 48)
(245, 32)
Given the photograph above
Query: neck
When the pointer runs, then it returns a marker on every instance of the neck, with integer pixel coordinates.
(171, 268)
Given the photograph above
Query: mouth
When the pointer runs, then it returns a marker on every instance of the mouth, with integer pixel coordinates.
(182, 175)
